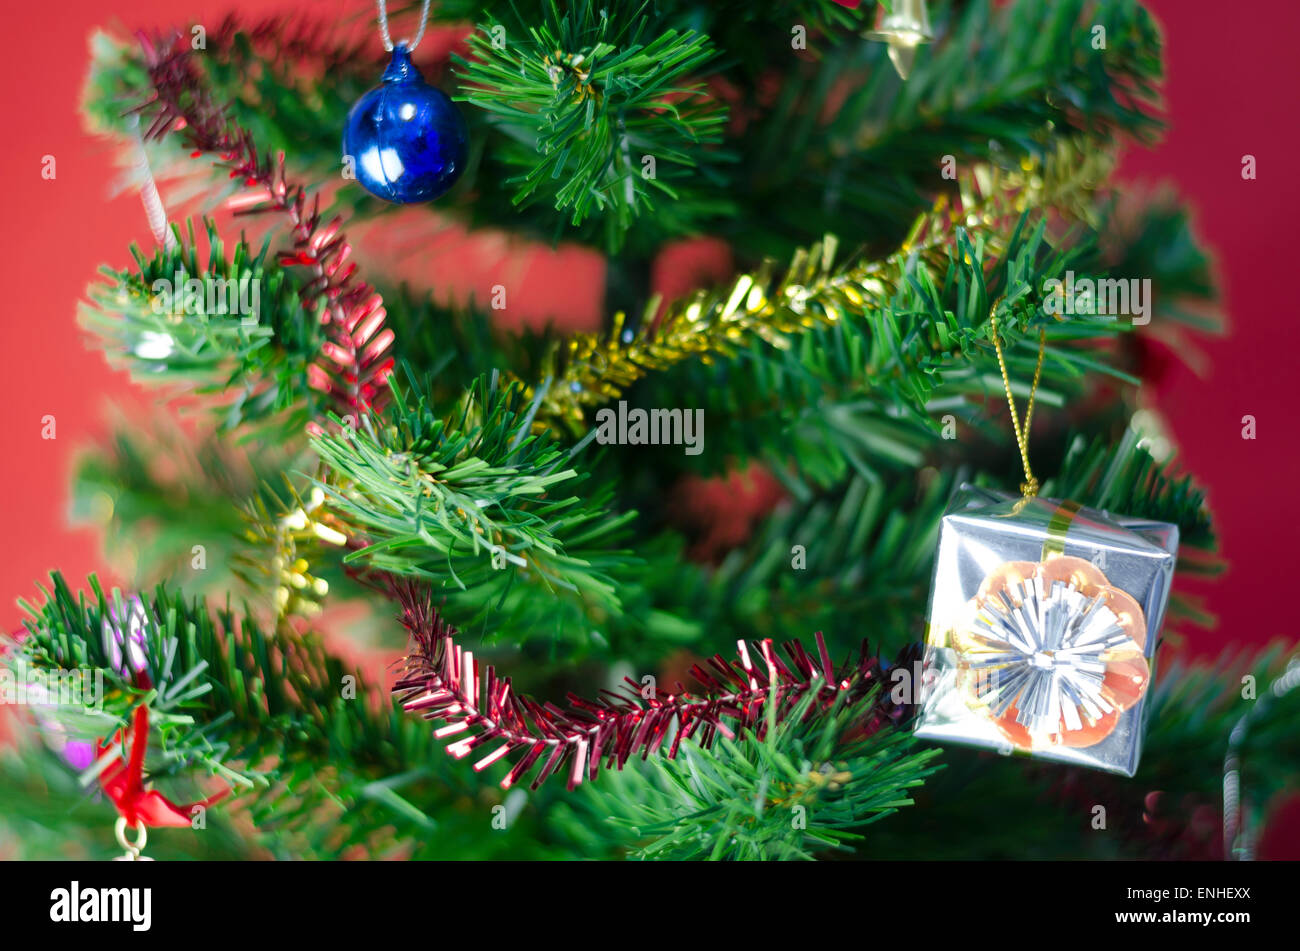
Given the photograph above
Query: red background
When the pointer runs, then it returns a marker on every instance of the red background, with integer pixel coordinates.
(1228, 77)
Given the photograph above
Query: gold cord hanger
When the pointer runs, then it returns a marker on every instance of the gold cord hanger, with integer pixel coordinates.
(1030, 486)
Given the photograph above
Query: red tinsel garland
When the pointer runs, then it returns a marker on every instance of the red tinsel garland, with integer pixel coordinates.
(442, 682)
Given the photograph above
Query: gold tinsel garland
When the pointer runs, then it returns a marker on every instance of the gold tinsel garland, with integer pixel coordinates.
(590, 369)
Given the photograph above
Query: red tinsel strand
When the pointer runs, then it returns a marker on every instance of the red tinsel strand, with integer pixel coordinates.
(355, 360)
(443, 682)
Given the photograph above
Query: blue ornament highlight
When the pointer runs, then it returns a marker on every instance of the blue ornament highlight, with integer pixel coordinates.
(407, 141)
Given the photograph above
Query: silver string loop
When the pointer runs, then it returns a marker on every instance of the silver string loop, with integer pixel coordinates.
(382, 7)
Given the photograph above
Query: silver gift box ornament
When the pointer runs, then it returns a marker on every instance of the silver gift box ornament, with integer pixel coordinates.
(1042, 629)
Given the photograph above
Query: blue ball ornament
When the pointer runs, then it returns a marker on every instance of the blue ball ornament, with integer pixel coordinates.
(406, 139)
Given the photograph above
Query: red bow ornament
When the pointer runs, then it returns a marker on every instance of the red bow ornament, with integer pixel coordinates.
(123, 783)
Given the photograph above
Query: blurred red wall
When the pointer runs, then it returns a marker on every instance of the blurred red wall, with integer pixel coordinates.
(1232, 82)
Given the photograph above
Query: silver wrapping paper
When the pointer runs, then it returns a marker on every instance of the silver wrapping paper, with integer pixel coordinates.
(1048, 641)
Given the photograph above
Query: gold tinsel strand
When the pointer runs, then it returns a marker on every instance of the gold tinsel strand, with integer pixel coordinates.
(298, 592)
(590, 369)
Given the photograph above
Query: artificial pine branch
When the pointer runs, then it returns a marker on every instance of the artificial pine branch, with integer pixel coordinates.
(48, 814)
(182, 520)
(232, 327)
(810, 162)
(263, 710)
(845, 140)
(805, 789)
(1017, 809)
(454, 346)
(865, 547)
(1122, 476)
(585, 97)
(471, 501)
(354, 362)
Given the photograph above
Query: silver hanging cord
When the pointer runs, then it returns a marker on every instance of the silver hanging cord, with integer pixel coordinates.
(382, 7)
(1238, 825)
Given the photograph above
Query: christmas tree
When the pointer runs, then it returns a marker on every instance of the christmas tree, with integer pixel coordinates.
(647, 588)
